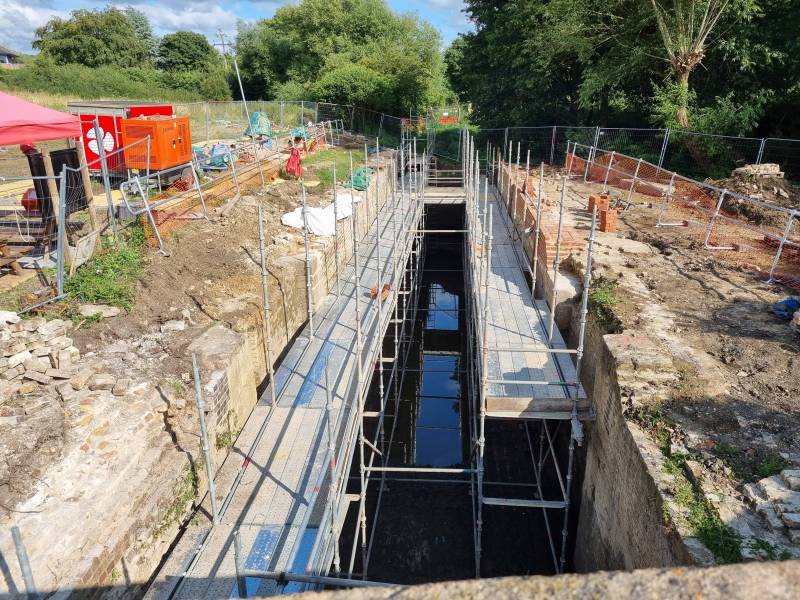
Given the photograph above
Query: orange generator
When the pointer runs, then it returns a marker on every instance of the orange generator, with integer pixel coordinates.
(170, 142)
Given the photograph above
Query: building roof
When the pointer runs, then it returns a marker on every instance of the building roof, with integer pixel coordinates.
(4, 50)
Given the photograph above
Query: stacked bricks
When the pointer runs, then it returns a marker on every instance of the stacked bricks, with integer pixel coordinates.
(601, 201)
(572, 240)
(35, 352)
(608, 220)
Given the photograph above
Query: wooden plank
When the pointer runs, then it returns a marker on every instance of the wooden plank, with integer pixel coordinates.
(516, 320)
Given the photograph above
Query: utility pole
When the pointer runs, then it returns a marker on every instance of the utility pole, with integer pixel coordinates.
(224, 46)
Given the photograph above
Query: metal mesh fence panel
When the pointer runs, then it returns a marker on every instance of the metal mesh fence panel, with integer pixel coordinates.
(740, 230)
(336, 112)
(644, 143)
(199, 119)
(447, 144)
(493, 137)
(536, 140)
(785, 153)
(700, 155)
(391, 131)
(562, 135)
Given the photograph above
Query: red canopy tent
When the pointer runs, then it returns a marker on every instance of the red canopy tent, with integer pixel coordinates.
(23, 122)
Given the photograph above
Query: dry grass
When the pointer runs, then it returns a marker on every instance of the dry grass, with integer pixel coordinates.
(54, 101)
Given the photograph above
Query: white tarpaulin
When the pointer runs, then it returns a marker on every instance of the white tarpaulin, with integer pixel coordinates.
(322, 220)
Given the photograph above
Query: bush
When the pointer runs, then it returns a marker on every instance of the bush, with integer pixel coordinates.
(134, 83)
(110, 276)
(291, 90)
(353, 84)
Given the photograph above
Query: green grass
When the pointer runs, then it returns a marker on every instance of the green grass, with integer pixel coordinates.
(653, 418)
(767, 551)
(701, 516)
(67, 82)
(750, 468)
(176, 385)
(185, 493)
(110, 276)
(705, 522)
(224, 440)
(320, 165)
(602, 300)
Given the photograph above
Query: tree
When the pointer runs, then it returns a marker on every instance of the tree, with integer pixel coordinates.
(185, 51)
(353, 84)
(92, 38)
(345, 46)
(718, 66)
(142, 29)
(685, 29)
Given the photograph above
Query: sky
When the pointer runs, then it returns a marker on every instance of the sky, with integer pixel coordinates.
(19, 18)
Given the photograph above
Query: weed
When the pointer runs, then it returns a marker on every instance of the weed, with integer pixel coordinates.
(224, 440)
(185, 492)
(110, 277)
(706, 524)
(654, 419)
(750, 468)
(674, 464)
(688, 385)
(765, 550)
(602, 299)
(772, 464)
(702, 518)
(176, 385)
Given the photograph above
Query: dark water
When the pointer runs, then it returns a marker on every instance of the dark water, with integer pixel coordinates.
(424, 529)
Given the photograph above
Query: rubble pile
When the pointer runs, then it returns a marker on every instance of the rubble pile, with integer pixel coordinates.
(35, 353)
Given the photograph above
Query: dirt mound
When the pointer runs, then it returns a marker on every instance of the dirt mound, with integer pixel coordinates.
(767, 188)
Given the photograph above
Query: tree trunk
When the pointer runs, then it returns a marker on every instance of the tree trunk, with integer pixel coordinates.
(682, 114)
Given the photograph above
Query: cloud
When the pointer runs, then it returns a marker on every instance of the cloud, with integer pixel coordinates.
(204, 17)
(448, 4)
(20, 20)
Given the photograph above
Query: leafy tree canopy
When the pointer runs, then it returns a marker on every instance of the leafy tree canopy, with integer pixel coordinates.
(143, 30)
(93, 38)
(185, 51)
(358, 51)
(730, 66)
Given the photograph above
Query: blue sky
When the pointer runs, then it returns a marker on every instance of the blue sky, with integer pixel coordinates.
(19, 18)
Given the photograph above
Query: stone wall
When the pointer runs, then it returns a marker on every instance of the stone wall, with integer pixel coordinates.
(621, 523)
(776, 581)
(160, 476)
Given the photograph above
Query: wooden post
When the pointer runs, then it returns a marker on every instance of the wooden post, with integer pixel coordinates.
(87, 185)
(51, 182)
(52, 190)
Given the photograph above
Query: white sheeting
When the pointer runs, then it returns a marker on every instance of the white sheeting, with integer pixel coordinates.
(321, 221)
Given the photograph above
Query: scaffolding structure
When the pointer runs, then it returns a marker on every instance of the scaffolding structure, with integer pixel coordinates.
(484, 207)
(380, 286)
(377, 292)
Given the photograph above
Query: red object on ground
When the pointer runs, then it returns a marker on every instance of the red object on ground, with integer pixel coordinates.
(608, 220)
(23, 122)
(109, 115)
(294, 165)
(29, 200)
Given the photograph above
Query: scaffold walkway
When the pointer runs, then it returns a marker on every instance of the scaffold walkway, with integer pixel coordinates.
(288, 503)
(522, 369)
(525, 378)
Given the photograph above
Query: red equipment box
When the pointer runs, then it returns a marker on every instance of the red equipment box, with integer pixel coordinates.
(109, 114)
(170, 142)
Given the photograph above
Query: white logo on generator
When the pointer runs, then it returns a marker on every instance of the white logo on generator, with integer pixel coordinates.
(108, 140)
